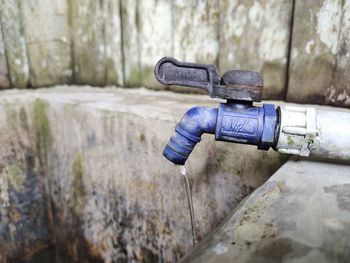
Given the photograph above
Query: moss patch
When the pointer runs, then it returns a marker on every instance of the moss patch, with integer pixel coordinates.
(11, 114)
(23, 117)
(78, 188)
(16, 178)
(290, 141)
(42, 131)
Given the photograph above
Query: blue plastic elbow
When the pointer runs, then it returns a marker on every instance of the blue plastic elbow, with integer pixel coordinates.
(188, 132)
(231, 121)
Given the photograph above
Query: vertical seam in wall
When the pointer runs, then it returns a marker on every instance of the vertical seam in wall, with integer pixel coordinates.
(71, 35)
(139, 41)
(5, 48)
(122, 40)
(335, 67)
(48, 190)
(289, 52)
(218, 34)
(137, 22)
(23, 28)
(104, 8)
(172, 17)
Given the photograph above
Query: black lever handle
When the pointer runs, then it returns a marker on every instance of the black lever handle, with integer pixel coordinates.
(234, 85)
(170, 71)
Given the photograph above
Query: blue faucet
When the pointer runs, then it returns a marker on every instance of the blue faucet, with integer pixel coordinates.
(237, 120)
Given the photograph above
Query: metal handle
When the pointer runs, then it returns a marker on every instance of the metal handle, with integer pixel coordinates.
(235, 84)
(170, 71)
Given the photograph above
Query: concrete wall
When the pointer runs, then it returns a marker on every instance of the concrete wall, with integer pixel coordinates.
(82, 177)
(301, 214)
(301, 48)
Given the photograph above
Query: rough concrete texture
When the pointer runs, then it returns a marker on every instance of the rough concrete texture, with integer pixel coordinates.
(97, 42)
(48, 42)
(301, 214)
(254, 35)
(118, 42)
(82, 167)
(4, 76)
(155, 36)
(195, 34)
(195, 30)
(131, 43)
(24, 200)
(14, 40)
(319, 52)
(339, 93)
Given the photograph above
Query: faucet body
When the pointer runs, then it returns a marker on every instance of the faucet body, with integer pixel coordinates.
(233, 121)
(237, 120)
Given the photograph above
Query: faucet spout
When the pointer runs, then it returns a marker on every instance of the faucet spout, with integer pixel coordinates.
(188, 132)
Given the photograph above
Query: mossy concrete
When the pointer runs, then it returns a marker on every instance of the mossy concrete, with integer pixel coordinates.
(320, 53)
(15, 44)
(339, 94)
(155, 37)
(131, 42)
(47, 36)
(90, 160)
(195, 30)
(24, 217)
(42, 131)
(78, 189)
(96, 42)
(4, 75)
(300, 49)
(255, 36)
(300, 214)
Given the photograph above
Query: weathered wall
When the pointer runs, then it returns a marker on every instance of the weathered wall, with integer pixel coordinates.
(254, 35)
(301, 48)
(119, 42)
(82, 169)
(319, 63)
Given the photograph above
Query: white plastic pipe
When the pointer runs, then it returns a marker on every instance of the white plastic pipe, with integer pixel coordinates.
(308, 131)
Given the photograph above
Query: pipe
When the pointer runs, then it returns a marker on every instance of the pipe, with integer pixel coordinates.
(188, 132)
(308, 131)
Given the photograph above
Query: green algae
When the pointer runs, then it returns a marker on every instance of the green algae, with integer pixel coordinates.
(42, 131)
(78, 189)
(16, 178)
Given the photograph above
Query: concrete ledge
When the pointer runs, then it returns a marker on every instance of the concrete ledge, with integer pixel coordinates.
(301, 214)
(82, 175)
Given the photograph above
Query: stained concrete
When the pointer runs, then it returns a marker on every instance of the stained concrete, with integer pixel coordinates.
(319, 57)
(4, 76)
(83, 177)
(14, 43)
(300, 48)
(254, 35)
(301, 214)
(47, 37)
(96, 42)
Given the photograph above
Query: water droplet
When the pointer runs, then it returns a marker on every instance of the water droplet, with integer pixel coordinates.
(190, 203)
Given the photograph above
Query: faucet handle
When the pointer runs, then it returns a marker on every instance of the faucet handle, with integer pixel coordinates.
(234, 85)
(170, 71)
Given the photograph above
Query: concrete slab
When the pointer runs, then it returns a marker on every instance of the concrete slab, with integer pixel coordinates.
(301, 214)
(83, 169)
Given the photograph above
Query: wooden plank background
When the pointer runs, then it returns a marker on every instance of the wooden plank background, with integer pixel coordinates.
(302, 48)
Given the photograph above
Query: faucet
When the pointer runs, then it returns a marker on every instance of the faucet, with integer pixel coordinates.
(297, 130)
(236, 120)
